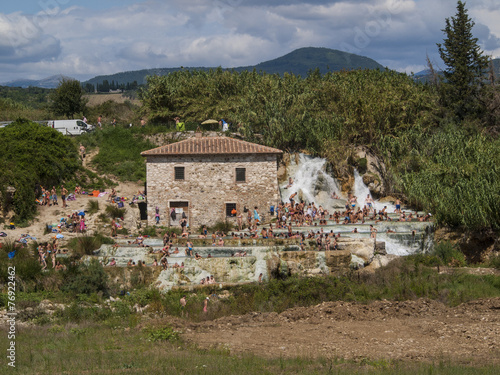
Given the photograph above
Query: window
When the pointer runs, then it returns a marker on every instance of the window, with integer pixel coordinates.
(241, 174)
(179, 173)
(231, 209)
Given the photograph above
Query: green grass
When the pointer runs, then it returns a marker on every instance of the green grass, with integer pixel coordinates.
(92, 206)
(115, 211)
(85, 245)
(119, 152)
(99, 348)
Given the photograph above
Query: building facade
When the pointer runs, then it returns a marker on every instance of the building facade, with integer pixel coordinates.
(206, 179)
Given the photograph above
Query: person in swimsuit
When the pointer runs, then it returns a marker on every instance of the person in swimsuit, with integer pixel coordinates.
(398, 206)
(64, 192)
(205, 305)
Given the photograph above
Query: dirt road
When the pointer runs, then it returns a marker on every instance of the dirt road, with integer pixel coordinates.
(420, 330)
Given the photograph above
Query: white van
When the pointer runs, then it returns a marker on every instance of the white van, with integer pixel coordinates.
(71, 127)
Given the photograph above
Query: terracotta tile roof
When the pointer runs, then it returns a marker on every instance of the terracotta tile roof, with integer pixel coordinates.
(211, 146)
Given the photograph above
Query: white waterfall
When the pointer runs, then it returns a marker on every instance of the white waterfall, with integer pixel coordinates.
(361, 191)
(309, 178)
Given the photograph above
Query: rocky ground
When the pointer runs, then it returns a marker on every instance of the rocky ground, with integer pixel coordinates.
(421, 330)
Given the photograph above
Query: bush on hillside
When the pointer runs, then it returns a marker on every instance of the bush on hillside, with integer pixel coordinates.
(31, 154)
(85, 279)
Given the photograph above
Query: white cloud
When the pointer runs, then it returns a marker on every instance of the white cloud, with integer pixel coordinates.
(153, 33)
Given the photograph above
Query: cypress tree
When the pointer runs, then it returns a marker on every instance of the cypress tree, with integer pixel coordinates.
(465, 63)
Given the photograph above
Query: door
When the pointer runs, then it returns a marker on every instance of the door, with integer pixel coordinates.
(177, 212)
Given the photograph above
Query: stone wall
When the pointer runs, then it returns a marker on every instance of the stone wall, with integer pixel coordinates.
(210, 183)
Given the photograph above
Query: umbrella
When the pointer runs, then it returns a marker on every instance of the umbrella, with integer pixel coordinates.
(210, 122)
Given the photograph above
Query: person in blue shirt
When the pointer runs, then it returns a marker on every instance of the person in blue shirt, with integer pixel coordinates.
(256, 216)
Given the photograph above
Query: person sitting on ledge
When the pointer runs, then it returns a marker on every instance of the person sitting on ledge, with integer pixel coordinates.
(112, 263)
(197, 256)
(240, 254)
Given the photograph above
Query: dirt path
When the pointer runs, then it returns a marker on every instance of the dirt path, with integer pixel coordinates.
(419, 330)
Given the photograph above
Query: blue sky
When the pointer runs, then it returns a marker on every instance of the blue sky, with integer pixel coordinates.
(82, 39)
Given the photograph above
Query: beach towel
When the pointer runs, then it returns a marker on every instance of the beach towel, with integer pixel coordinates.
(95, 193)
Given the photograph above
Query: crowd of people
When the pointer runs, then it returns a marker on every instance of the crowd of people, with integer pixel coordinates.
(47, 255)
(48, 197)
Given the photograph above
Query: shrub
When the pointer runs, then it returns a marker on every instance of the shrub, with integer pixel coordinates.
(449, 254)
(28, 269)
(22, 142)
(84, 245)
(494, 261)
(114, 211)
(123, 231)
(222, 226)
(149, 231)
(362, 165)
(103, 217)
(161, 334)
(92, 206)
(86, 279)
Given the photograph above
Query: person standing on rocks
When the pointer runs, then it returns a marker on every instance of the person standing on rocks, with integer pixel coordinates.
(369, 201)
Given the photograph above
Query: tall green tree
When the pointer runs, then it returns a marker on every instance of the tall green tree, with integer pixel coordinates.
(465, 63)
(68, 98)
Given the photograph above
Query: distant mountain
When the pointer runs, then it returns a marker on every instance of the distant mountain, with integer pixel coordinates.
(298, 62)
(425, 75)
(46, 83)
(302, 60)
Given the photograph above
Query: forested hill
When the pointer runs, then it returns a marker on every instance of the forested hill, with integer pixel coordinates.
(301, 61)
(298, 62)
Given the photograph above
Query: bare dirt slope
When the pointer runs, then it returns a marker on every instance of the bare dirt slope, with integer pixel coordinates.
(420, 330)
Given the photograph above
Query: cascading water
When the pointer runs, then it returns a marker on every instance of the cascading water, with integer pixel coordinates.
(361, 191)
(309, 179)
(313, 184)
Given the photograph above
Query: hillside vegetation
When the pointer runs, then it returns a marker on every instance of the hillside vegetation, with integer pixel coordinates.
(442, 165)
(436, 163)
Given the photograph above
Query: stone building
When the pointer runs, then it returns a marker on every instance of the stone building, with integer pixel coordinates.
(205, 178)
